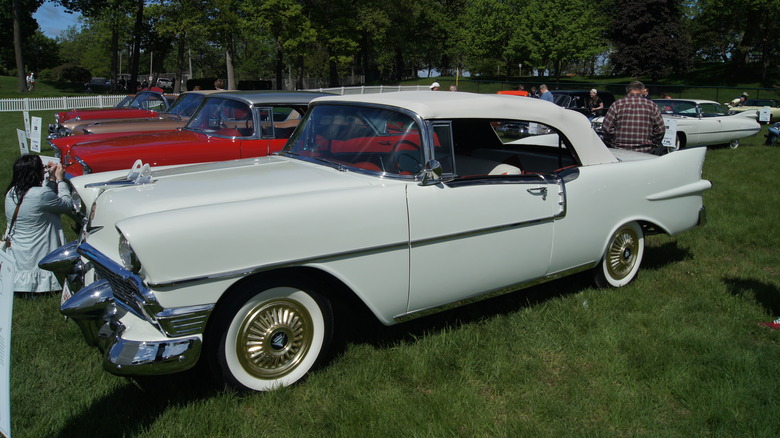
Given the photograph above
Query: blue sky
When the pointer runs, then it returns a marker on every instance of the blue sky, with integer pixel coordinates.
(52, 19)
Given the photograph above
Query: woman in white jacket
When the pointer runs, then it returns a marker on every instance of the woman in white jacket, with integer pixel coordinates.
(36, 229)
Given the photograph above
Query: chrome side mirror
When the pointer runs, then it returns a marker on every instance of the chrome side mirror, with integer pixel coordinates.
(431, 173)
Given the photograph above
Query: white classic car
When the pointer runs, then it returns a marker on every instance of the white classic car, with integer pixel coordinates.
(399, 204)
(704, 122)
(755, 105)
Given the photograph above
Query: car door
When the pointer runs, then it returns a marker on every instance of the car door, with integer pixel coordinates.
(478, 234)
(711, 124)
(275, 126)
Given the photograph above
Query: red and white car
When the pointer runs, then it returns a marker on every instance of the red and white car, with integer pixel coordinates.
(226, 126)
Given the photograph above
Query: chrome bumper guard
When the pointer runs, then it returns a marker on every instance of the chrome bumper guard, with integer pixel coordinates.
(107, 316)
(702, 216)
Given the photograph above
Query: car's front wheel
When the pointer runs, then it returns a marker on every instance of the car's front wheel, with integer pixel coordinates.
(622, 257)
(270, 336)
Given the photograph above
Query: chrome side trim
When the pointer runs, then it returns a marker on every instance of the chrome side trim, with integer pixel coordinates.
(346, 254)
(184, 321)
(492, 294)
(85, 169)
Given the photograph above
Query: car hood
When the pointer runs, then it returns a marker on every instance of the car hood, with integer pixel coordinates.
(146, 140)
(104, 113)
(208, 184)
(160, 123)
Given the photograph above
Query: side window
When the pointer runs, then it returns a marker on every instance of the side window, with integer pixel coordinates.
(286, 119)
(442, 146)
(266, 122)
(508, 147)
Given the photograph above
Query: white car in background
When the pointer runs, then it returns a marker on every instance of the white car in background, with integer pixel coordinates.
(705, 122)
(755, 105)
(396, 205)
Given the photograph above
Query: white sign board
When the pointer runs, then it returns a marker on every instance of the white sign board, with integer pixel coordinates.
(764, 114)
(26, 115)
(7, 273)
(670, 138)
(35, 139)
(22, 142)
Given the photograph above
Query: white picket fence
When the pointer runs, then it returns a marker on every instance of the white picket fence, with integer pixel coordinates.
(371, 89)
(59, 103)
(103, 101)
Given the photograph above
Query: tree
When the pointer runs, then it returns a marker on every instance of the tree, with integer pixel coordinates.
(284, 26)
(737, 30)
(648, 38)
(22, 24)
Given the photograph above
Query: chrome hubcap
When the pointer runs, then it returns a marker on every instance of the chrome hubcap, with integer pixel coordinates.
(621, 256)
(274, 338)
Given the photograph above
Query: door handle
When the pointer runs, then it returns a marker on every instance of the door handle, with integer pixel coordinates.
(539, 191)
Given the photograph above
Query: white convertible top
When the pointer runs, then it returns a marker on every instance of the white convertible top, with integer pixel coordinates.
(431, 105)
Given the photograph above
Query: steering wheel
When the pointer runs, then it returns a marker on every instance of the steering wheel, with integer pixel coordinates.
(405, 158)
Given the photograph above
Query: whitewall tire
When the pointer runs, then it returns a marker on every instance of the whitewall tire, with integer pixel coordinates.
(272, 337)
(622, 257)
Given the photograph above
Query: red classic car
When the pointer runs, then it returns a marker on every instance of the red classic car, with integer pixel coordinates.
(89, 130)
(227, 126)
(144, 104)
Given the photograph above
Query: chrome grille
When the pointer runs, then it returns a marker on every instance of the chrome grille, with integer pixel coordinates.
(124, 290)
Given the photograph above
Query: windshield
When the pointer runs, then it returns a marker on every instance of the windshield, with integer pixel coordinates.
(186, 104)
(377, 139)
(564, 100)
(678, 107)
(224, 117)
(149, 101)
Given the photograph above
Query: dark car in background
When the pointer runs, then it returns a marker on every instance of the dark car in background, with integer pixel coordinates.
(577, 100)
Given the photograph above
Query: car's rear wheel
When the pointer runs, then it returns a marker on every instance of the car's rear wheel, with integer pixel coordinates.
(622, 257)
(679, 142)
(270, 336)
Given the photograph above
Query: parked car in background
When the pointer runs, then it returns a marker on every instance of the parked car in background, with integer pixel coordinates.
(174, 118)
(227, 126)
(144, 104)
(577, 100)
(705, 122)
(166, 83)
(98, 85)
(755, 105)
(396, 204)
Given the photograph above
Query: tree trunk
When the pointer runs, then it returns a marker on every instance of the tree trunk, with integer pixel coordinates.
(20, 73)
(231, 75)
(114, 56)
(299, 76)
(279, 65)
(136, 58)
(179, 67)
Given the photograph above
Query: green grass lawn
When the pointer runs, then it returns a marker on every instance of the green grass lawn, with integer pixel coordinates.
(677, 353)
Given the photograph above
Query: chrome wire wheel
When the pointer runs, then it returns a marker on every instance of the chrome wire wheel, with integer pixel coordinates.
(269, 335)
(274, 338)
(622, 258)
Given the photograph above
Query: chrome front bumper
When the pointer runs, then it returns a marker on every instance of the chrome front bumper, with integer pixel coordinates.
(133, 340)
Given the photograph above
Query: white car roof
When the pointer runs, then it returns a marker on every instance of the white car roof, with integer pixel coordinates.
(431, 105)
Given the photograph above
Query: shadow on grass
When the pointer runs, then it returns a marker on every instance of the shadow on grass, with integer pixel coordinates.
(669, 253)
(370, 331)
(132, 408)
(765, 294)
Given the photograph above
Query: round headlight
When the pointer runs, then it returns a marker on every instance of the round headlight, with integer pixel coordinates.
(127, 255)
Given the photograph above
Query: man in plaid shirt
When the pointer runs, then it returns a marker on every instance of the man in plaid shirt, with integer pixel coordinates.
(634, 122)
